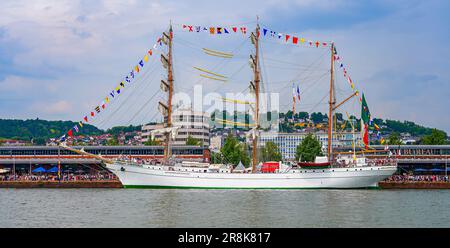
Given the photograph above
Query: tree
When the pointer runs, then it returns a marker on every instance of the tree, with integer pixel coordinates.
(317, 117)
(288, 115)
(152, 142)
(285, 127)
(28, 129)
(123, 129)
(190, 141)
(308, 149)
(112, 142)
(216, 158)
(303, 115)
(270, 152)
(394, 139)
(40, 141)
(233, 151)
(437, 137)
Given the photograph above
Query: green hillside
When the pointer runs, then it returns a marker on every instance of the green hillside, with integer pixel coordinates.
(40, 129)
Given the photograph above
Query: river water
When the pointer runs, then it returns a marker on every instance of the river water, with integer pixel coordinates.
(223, 208)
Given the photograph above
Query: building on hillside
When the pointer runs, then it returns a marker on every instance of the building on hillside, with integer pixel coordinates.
(191, 123)
(12, 142)
(288, 142)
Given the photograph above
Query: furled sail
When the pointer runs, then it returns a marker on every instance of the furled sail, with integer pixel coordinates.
(163, 109)
(217, 53)
(164, 86)
(164, 61)
(172, 130)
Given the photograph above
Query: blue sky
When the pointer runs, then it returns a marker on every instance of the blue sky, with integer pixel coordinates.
(60, 58)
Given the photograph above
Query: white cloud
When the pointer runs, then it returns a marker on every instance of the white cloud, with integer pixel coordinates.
(51, 108)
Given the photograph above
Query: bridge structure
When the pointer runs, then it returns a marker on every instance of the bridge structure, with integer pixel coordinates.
(417, 159)
(23, 159)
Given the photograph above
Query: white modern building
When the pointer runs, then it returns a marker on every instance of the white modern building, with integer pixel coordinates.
(191, 123)
(288, 142)
(146, 132)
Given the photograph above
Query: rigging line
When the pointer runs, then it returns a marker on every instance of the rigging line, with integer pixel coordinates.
(89, 167)
(188, 44)
(288, 83)
(138, 85)
(297, 77)
(150, 119)
(307, 46)
(224, 61)
(196, 48)
(308, 88)
(220, 62)
(314, 83)
(143, 106)
(318, 62)
(101, 122)
(146, 116)
(309, 84)
(286, 62)
(236, 24)
(151, 98)
(118, 95)
(321, 102)
(230, 77)
(293, 68)
(238, 71)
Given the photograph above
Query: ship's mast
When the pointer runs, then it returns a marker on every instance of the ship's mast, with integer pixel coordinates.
(331, 102)
(255, 85)
(170, 91)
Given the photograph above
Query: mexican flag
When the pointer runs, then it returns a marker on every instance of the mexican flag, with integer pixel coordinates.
(365, 119)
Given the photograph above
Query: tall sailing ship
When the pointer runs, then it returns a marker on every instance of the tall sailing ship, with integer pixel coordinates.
(335, 172)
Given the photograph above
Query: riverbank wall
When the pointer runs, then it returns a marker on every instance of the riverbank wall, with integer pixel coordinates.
(414, 185)
(62, 184)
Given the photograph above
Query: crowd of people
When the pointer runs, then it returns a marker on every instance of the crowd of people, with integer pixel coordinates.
(64, 177)
(418, 178)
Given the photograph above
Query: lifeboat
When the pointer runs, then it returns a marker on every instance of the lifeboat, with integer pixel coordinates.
(320, 162)
(313, 165)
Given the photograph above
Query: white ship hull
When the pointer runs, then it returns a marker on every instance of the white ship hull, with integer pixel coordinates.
(132, 176)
